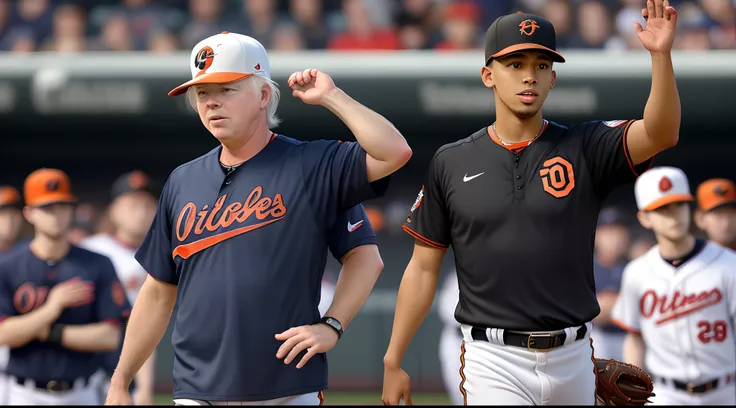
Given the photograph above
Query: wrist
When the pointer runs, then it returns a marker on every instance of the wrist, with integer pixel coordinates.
(332, 98)
(333, 324)
(120, 381)
(55, 334)
(391, 362)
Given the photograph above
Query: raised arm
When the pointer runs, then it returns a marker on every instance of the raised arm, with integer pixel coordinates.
(386, 148)
(660, 127)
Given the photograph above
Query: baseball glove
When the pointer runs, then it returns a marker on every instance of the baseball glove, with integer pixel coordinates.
(619, 383)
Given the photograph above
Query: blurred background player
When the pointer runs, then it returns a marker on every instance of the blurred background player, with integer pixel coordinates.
(611, 245)
(451, 338)
(11, 218)
(716, 211)
(130, 213)
(11, 221)
(678, 301)
(60, 305)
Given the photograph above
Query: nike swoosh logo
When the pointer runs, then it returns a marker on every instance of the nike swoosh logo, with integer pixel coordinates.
(466, 178)
(353, 227)
(187, 250)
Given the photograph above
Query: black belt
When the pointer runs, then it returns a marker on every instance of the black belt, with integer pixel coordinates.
(53, 385)
(531, 341)
(691, 387)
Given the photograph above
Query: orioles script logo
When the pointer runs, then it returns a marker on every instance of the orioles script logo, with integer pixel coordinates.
(265, 209)
(678, 305)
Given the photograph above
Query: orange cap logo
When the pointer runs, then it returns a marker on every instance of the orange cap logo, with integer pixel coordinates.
(665, 184)
(204, 58)
(528, 27)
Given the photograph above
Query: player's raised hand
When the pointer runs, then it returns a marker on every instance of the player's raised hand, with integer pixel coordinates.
(72, 293)
(661, 19)
(396, 386)
(311, 85)
(317, 338)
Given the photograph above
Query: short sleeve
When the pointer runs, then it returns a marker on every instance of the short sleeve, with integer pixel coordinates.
(155, 253)
(626, 312)
(7, 309)
(112, 303)
(337, 177)
(428, 220)
(607, 154)
(351, 230)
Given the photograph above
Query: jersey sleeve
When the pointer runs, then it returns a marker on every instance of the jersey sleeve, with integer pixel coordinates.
(351, 230)
(428, 220)
(730, 285)
(607, 154)
(112, 303)
(626, 312)
(337, 177)
(154, 254)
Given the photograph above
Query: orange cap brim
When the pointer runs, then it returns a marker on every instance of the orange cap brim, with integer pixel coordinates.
(556, 56)
(672, 198)
(53, 198)
(211, 78)
(713, 204)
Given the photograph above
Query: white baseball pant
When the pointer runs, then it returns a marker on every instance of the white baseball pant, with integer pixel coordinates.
(29, 394)
(313, 398)
(497, 374)
(4, 358)
(667, 394)
(450, 341)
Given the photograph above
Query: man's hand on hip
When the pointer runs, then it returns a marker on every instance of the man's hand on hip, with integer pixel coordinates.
(317, 338)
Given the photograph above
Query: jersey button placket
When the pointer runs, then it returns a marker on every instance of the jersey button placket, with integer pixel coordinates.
(518, 184)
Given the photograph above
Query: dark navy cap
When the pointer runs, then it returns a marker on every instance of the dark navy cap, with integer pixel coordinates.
(129, 182)
(611, 216)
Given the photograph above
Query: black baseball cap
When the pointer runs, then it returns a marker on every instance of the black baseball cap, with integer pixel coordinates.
(519, 32)
(129, 182)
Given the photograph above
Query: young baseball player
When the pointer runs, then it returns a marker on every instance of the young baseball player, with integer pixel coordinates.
(11, 221)
(518, 201)
(450, 337)
(60, 305)
(131, 212)
(241, 237)
(716, 211)
(678, 301)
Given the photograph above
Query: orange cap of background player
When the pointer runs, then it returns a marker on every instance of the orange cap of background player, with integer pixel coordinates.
(715, 193)
(48, 186)
(9, 197)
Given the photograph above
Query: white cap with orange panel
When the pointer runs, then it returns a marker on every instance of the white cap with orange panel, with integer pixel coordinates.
(660, 186)
(225, 57)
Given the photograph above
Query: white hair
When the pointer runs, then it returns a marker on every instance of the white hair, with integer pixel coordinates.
(256, 83)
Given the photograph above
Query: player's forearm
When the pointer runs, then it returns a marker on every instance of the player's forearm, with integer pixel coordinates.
(146, 327)
(416, 293)
(145, 379)
(358, 276)
(92, 337)
(17, 331)
(378, 137)
(634, 350)
(662, 113)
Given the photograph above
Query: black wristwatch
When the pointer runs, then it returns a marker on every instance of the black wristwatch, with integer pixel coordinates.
(334, 323)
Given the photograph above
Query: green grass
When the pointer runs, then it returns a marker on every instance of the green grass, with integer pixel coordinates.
(354, 398)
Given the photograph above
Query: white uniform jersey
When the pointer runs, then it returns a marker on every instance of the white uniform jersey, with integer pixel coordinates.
(130, 273)
(685, 315)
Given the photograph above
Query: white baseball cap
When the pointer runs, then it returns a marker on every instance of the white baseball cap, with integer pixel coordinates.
(660, 186)
(225, 57)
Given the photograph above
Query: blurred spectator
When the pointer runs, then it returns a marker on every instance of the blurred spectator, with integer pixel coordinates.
(83, 224)
(258, 19)
(722, 22)
(643, 242)
(69, 25)
(629, 14)
(460, 27)
(115, 35)
(559, 13)
(142, 17)
(287, 37)
(594, 26)
(163, 42)
(205, 21)
(692, 27)
(4, 18)
(36, 15)
(309, 17)
(362, 33)
(19, 40)
(412, 35)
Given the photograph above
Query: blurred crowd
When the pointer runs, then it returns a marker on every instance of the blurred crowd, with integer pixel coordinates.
(164, 26)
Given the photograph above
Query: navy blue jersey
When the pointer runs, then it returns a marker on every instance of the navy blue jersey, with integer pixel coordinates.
(25, 281)
(351, 230)
(247, 249)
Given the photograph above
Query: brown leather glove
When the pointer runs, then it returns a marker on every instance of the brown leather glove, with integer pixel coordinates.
(619, 383)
